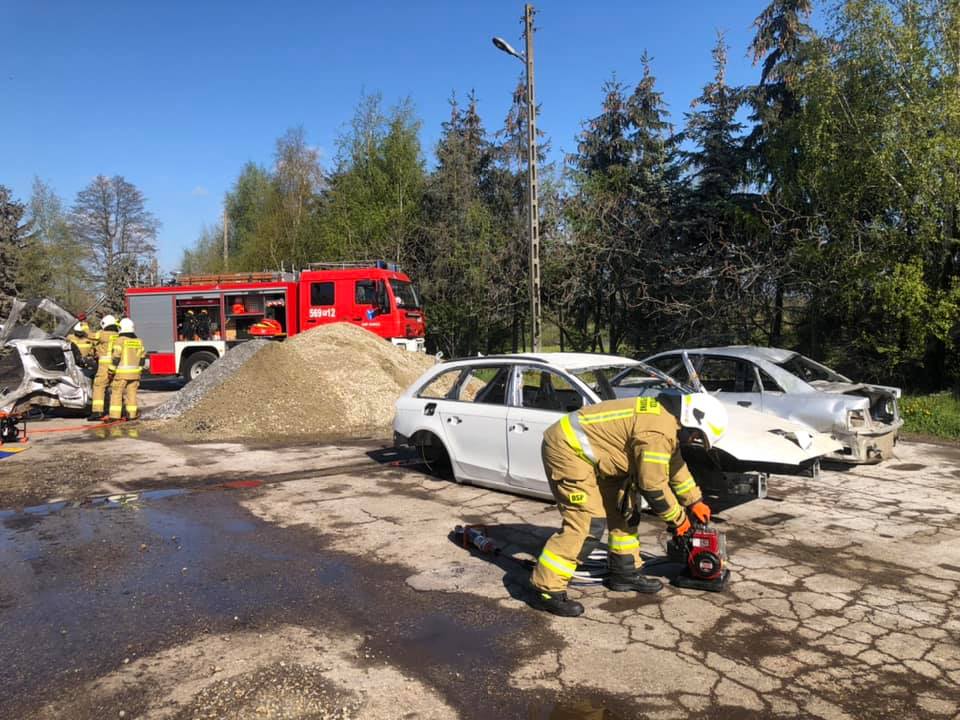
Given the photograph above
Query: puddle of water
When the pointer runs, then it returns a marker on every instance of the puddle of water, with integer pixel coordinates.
(86, 587)
(907, 467)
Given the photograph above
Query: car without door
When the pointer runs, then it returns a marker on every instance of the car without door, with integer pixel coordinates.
(864, 419)
(484, 419)
(38, 367)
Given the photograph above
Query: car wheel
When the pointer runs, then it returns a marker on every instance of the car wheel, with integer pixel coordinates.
(434, 456)
(197, 363)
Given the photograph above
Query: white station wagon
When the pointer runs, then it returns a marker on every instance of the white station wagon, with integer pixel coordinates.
(486, 416)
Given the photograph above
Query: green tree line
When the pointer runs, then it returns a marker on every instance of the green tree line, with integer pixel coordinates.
(816, 208)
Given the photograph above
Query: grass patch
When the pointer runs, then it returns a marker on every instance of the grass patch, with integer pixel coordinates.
(937, 415)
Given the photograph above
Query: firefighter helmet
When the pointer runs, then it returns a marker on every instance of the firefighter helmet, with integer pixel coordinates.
(81, 328)
(126, 325)
(703, 412)
(107, 320)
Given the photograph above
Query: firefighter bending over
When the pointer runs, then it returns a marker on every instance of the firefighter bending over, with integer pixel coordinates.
(104, 354)
(595, 460)
(81, 343)
(128, 358)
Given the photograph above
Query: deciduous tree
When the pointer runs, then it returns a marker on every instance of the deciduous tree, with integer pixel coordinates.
(112, 222)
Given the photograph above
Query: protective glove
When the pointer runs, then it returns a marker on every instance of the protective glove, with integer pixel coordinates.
(683, 528)
(700, 511)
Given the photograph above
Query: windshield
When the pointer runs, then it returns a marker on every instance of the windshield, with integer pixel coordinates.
(602, 379)
(810, 371)
(405, 294)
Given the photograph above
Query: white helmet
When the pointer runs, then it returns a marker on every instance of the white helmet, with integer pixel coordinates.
(126, 325)
(107, 320)
(703, 412)
(80, 327)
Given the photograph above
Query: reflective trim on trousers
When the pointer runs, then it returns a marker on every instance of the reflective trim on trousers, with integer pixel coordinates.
(557, 565)
(622, 544)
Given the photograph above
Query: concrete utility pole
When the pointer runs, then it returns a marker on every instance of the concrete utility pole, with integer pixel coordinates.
(226, 250)
(533, 211)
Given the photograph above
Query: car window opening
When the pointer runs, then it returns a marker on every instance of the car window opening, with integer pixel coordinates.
(810, 371)
(545, 390)
(487, 385)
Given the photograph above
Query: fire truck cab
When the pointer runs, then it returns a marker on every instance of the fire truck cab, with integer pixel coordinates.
(188, 326)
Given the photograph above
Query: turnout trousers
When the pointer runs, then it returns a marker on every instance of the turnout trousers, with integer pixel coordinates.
(100, 383)
(582, 496)
(123, 391)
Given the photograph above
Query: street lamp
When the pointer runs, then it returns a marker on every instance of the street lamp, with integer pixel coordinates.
(532, 206)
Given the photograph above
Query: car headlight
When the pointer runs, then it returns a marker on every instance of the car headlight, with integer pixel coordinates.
(856, 419)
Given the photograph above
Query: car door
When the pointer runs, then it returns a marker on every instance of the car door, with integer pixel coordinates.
(474, 424)
(540, 398)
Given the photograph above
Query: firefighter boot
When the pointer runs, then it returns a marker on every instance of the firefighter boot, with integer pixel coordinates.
(556, 603)
(635, 581)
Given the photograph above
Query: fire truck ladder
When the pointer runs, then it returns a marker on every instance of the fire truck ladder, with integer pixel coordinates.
(235, 278)
(354, 264)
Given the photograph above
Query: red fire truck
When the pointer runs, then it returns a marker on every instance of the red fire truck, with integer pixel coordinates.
(188, 326)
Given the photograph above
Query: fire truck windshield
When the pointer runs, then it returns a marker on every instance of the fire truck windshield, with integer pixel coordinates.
(406, 295)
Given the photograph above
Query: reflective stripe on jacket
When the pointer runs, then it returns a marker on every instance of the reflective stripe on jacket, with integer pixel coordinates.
(105, 346)
(635, 437)
(128, 353)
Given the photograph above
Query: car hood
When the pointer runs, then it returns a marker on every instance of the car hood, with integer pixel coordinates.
(754, 437)
(847, 388)
(16, 327)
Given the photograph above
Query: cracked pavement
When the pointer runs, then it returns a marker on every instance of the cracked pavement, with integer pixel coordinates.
(841, 602)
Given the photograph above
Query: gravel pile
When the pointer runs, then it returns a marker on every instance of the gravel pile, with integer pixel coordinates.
(334, 382)
(194, 391)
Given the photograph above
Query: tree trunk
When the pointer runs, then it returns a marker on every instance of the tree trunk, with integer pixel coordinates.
(776, 329)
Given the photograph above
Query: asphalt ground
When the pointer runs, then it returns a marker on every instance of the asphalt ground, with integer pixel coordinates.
(310, 581)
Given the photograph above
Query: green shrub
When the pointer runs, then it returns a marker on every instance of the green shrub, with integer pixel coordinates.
(937, 414)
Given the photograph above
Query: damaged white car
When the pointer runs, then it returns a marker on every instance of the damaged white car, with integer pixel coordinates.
(483, 419)
(864, 419)
(38, 367)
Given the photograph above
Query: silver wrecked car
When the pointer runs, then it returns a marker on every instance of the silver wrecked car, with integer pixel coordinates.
(37, 366)
(864, 418)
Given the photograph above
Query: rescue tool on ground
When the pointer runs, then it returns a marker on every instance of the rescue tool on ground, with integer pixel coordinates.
(703, 552)
(188, 326)
(597, 461)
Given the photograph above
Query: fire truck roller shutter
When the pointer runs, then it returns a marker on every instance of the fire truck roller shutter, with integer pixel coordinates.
(153, 315)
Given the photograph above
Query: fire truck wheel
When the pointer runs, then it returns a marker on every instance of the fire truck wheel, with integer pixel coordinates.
(197, 363)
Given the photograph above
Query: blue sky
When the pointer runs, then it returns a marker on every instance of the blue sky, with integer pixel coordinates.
(177, 96)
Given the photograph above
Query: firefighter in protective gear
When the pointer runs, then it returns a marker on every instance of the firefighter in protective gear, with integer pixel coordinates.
(81, 343)
(596, 459)
(128, 358)
(104, 353)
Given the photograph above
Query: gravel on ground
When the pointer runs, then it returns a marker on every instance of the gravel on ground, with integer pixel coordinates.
(334, 381)
(194, 391)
